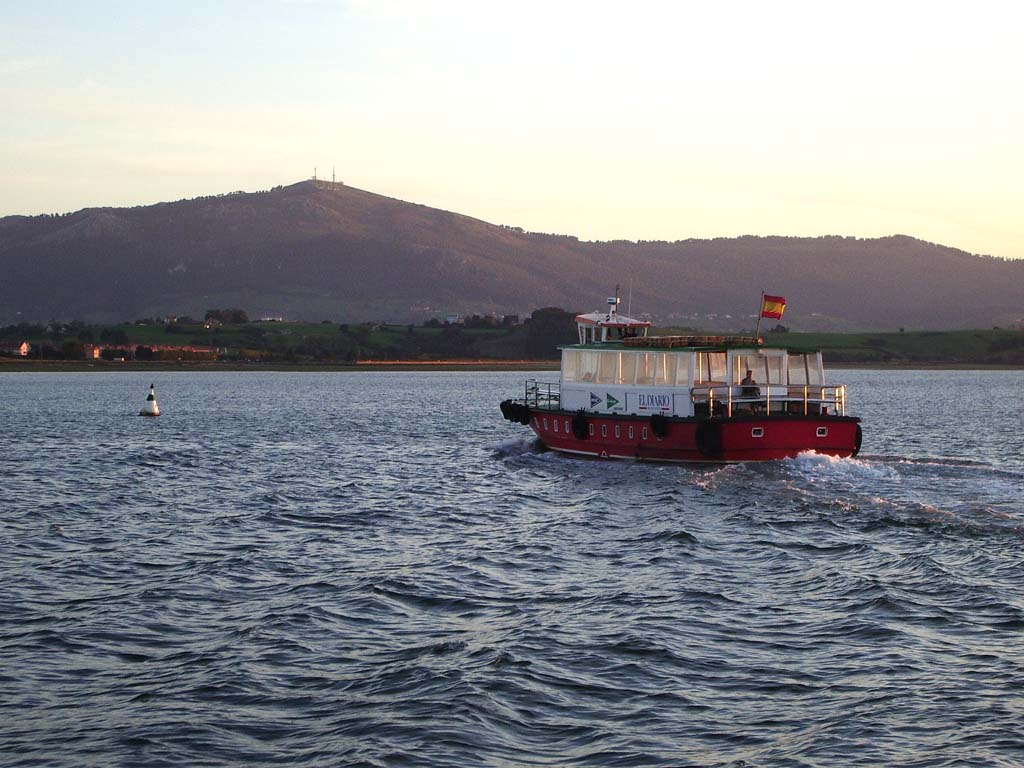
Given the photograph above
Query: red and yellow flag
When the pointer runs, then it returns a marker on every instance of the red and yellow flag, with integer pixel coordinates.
(773, 307)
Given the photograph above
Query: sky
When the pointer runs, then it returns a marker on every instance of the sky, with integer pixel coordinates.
(604, 120)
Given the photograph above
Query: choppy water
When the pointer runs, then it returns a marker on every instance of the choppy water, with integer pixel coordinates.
(376, 569)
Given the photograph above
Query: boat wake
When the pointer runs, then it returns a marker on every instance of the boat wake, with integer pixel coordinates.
(969, 496)
(816, 465)
(517, 446)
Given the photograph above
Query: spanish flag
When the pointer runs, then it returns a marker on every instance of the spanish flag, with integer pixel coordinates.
(773, 307)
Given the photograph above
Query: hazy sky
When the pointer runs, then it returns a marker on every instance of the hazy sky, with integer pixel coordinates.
(642, 120)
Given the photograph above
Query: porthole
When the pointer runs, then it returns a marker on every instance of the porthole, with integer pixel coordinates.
(545, 422)
(604, 430)
(566, 426)
(643, 433)
(822, 432)
(631, 432)
(554, 423)
(618, 432)
(757, 432)
(590, 429)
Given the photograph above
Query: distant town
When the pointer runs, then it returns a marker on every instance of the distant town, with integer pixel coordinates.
(228, 335)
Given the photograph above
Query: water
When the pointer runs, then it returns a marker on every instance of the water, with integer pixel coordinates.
(377, 570)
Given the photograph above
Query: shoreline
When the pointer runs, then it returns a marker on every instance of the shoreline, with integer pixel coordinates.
(13, 365)
(905, 366)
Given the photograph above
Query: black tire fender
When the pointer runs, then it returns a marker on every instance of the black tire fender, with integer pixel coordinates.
(524, 414)
(709, 438)
(579, 426)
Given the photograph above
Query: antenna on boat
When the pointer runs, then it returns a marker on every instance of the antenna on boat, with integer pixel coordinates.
(629, 301)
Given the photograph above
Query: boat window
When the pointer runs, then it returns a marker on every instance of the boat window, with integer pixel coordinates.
(588, 365)
(570, 365)
(716, 366)
(665, 370)
(631, 432)
(710, 367)
(682, 363)
(645, 368)
(628, 366)
(618, 431)
(643, 433)
(815, 375)
(556, 424)
(590, 429)
(756, 364)
(608, 368)
(604, 430)
(797, 370)
(775, 370)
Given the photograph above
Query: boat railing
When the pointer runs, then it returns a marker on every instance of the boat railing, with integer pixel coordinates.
(542, 394)
(798, 400)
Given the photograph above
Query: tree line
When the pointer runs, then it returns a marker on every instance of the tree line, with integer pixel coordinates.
(538, 337)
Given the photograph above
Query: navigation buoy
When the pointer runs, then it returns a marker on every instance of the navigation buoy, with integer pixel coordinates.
(150, 408)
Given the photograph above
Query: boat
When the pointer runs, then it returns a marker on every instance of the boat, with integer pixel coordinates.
(625, 394)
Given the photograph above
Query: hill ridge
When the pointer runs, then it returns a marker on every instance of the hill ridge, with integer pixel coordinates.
(318, 250)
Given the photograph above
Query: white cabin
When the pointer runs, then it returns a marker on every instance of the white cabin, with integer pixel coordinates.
(676, 382)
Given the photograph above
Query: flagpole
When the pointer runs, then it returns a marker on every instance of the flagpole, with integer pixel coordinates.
(760, 310)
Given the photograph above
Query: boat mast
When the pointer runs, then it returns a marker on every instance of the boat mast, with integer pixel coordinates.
(760, 310)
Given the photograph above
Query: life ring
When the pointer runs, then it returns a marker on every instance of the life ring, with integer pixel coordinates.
(659, 425)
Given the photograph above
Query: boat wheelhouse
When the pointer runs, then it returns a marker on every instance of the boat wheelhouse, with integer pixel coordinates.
(625, 394)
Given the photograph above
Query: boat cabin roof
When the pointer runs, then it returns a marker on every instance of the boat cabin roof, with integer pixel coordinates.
(611, 320)
(682, 344)
(610, 326)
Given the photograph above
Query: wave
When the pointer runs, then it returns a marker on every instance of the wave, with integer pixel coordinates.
(517, 446)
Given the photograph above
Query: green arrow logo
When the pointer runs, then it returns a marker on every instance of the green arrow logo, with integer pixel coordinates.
(612, 402)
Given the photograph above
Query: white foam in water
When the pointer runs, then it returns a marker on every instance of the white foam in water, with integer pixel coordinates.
(834, 466)
(516, 446)
(709, 479)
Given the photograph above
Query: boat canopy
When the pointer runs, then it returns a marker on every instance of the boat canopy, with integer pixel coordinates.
(601, 327)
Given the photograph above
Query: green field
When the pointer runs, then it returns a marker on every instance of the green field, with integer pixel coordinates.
(984, 347)
(329, 342)
(288, 342)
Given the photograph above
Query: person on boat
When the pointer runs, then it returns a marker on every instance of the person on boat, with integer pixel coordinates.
(750, 388)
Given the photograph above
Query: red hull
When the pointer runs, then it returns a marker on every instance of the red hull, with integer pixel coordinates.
(745, 438)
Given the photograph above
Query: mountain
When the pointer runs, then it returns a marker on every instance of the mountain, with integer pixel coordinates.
(319, 250)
